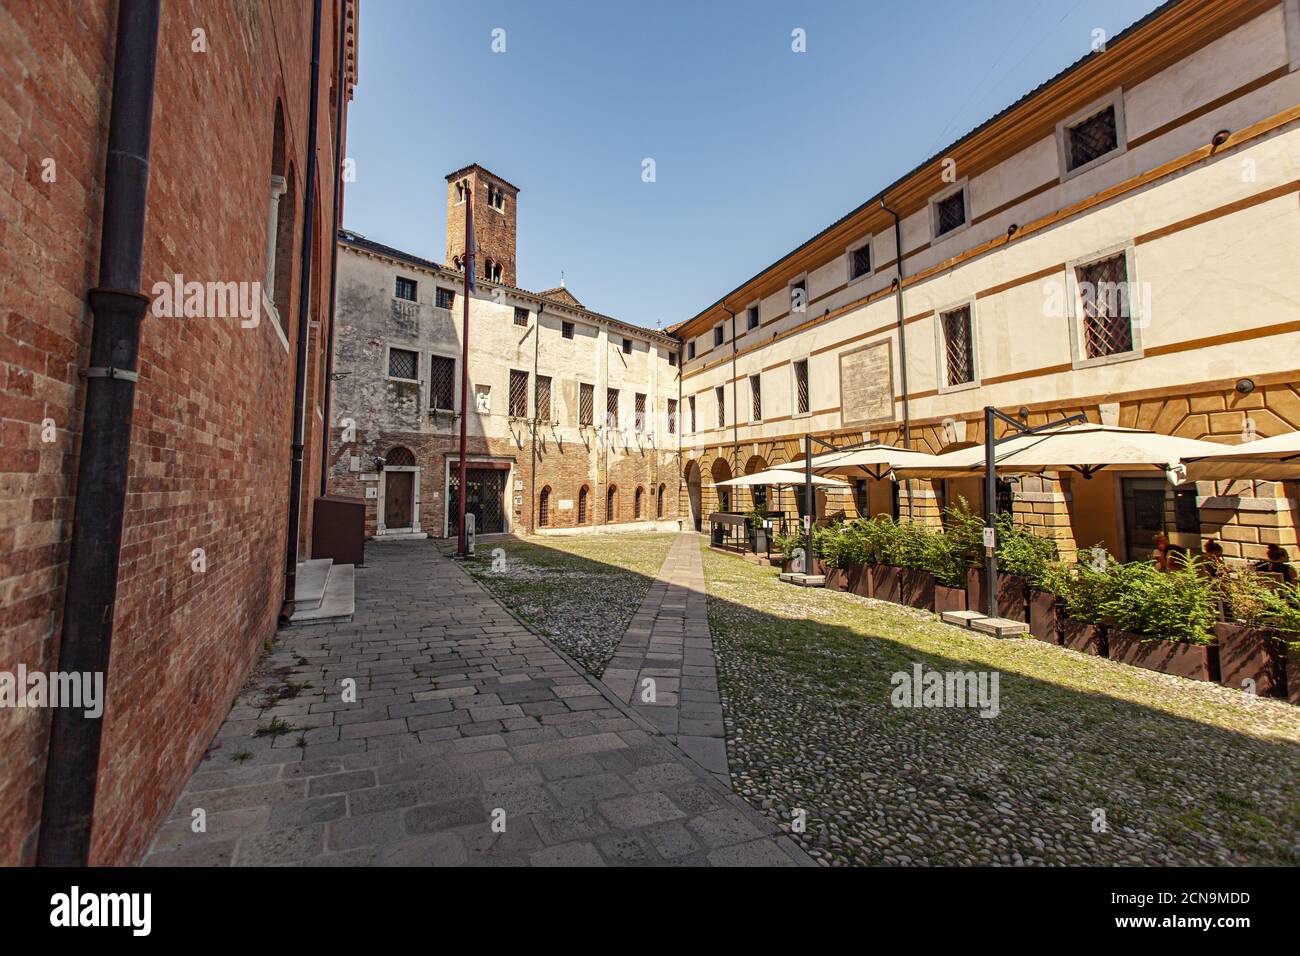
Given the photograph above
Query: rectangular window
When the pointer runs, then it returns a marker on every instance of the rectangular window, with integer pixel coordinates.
(611, 408)
(672, 416)
(446, 299)
(521, 316)
(799, 296)
(639, 412)
(442, 383)
(518, 394)
(542, 400)
(693, 424)
(718, 335)
(627, 346)
(1104, 307)
(860, 261)
(690, 350)
(756, 398)
(1091, 138)
(672, 359)
(721, 397)
(586, 404)
(949, 213)
(566, 330)
(958, 346)
(801, 387)
(403, 363)
(405, 289)
(752, 317)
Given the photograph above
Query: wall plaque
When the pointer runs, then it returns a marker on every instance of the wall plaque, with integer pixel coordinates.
(867, 384)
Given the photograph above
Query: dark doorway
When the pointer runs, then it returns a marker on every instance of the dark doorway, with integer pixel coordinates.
(397, 499)
(1144, 515)
(484, 498)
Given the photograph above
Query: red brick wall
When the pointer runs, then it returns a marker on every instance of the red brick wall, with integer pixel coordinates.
(210, 442)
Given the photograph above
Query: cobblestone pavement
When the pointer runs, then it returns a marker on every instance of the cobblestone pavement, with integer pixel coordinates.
(460, 711)
(664, 668)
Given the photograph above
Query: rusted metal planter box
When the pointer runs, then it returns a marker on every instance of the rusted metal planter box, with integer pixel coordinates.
(837, 579)
(339, 529)
(1254, 654)
(1082, 636)
(1195, 661)
(888, 583)
(1011, 594)
(949, 599)
(1043, 614)
(917, 588)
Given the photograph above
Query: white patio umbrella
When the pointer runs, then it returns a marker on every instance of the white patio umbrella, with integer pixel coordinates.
(874, 461)
(779, 476)
(1264, 459)
(1084, 448)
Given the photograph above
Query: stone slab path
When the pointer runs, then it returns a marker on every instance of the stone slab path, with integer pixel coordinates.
(664, 668)
(463, 718)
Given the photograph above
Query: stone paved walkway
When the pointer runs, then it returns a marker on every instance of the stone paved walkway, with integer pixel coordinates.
(664, 668)
(461, 713)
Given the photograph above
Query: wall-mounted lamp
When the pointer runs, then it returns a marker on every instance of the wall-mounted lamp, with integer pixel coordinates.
(1023, 414)
(1220, 138)
(1012, 230)
(1245, 386)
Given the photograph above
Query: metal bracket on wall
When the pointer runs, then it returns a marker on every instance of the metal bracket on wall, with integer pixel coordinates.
(109, 372)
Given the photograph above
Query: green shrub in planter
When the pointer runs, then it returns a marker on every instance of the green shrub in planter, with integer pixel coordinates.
(1173, 605)
(1023, 553)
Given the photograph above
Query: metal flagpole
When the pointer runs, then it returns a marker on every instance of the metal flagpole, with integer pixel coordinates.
(462, 547)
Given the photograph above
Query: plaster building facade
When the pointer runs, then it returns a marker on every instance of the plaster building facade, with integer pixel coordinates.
(572, 421)
(1122, 242)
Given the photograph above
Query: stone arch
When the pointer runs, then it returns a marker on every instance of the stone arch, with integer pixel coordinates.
(720, 471)
(544, 507)
(694, 493)
(584, 504)
(611, 504)
(759, 495)
(399, 456)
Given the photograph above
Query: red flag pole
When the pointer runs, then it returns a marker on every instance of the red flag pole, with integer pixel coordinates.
(462, 545)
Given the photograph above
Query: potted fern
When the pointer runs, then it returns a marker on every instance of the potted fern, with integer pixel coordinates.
(1081, 589)
(1261, 620)
(1163, 620)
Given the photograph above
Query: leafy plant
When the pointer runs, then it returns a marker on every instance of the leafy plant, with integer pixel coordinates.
(1022, 552)
(1262, 604)
(1176, 605)
(1083, 587)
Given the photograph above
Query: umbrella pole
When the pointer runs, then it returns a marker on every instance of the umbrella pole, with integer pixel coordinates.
(809, 501)
(990, 518)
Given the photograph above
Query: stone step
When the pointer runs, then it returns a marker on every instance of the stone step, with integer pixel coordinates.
(309, 585)
(961, 618)
(338, 600)
(999, 626)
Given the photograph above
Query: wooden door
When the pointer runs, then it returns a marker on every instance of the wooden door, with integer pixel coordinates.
(397, 499)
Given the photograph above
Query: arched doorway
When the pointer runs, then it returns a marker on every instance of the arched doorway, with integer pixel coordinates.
(758, 494)
(611, 504)
(400, 503)
(583, 506)
(721, 471)
(693, 494)
(544, 508)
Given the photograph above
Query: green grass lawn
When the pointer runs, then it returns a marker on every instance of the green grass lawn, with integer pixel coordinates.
(1181, 772)
(579, 590)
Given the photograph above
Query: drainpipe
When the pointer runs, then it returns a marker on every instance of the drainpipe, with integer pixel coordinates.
(117, 306)
(537, 336)
(334, 247)
(902, 344)
(304, 317)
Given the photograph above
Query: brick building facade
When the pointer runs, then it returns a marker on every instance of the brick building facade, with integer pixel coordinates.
(573, 420)
(209, 463)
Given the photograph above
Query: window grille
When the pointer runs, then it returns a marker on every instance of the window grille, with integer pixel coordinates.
(959, 346)
(518, 394)
(1093, 138)
(586, 404)
(442, 383)
(1104, 307)
(403, 363)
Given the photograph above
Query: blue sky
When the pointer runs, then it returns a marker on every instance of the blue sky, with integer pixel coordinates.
(756, 147)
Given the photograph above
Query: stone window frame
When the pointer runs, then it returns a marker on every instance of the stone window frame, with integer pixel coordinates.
(794, 386)
(789, 294)
(719, 335)
(849, 251)
(455, 393)
(753, 315)
(941, 347)
(720, 399)
(397, 288)
(419, 363)
(1137, 319)
(568, 331)
(1115, 98)
(755, 397)
(960, 186)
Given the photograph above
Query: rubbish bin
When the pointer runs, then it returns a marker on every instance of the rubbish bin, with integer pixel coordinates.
(339, 529)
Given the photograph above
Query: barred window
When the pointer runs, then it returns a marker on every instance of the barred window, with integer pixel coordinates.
(860, 261)
(611, 503)
(1104, 307)
(672, 359)
(403, 363)
(544, 507)
(442, 383)
(958, 346)
(752, 317)
(659, 502)
(636, 503)
(405, 289)
(583, 494)
(756, 398)
(950, 212)
(801, 387)
(1092, 138)
(611, 408)
(542, 400)
(691, 400)
(446, 298)
(721, 397)
(518, 394)
(586, 404)
(639, 412)
(672, 416)
(566, 330)
(521, 316)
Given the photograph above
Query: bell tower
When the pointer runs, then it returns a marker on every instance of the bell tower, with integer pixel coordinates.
(494, 222)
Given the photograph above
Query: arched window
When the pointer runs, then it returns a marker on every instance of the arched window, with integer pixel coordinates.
(399, 457)
(544, 508)
(611, 504)
(636, 503)
(659, 502)
(582, 505)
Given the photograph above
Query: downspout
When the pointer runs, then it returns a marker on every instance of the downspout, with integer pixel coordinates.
(117, 307)
(537, 337)
(902, 345)
(304, 317)
(334, 247)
